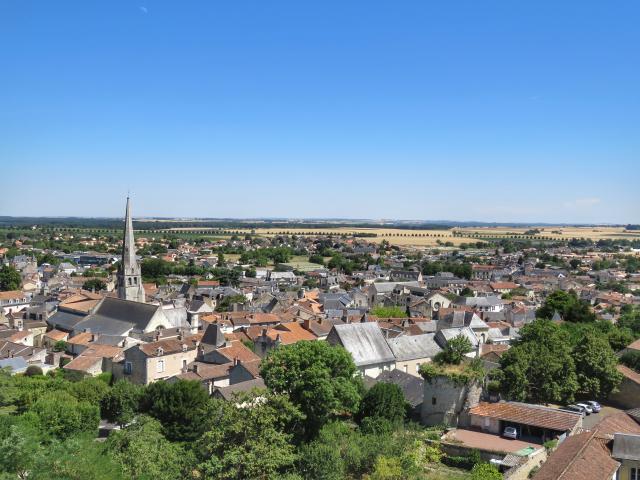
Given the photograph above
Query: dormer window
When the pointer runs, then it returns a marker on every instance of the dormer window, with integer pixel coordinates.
(184, 347)
(159, 351)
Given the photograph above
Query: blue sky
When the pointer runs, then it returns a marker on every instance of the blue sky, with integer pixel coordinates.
(465, 110)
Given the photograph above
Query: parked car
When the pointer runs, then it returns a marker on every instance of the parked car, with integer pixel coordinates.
(586, 407)
(595, 406)
(574, 409)
(510, 432)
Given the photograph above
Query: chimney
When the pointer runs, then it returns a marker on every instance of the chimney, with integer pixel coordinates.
(180, 336)
(195, 323)
(306, 324)
(264, 332)
(235, 361)
(157, 336)
(93, 337)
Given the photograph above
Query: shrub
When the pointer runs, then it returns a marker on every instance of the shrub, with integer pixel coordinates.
(33, 370)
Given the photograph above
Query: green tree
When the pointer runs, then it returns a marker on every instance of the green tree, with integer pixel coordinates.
(455, 350)
(180, 407)
(631, 359)
(630, 318)
(75, 458)
(596, 367)
(91, 390)
(9, 278)
(144, 453)
(485, 471)
(319, 378)
(62, 416)
(539, 366)
(316, 258)
(253, 441)
(383, 400)
(567, 304)
(389, 312)
(94, 284)
(121, 403)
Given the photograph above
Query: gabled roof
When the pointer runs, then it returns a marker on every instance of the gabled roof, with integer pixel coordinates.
(115, 316)
(626, 446)
(581, 456)
(528, 414)
(365, 343)
(412, 387)
(411, 347)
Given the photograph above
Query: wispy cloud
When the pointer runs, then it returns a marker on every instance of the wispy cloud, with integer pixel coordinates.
(582, 202)
(144, 10)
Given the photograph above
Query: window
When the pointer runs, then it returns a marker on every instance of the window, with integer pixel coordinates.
(127, 368)
(634, 474)
(160, 366)
(184, 364)
(417, 368)
(433, 400)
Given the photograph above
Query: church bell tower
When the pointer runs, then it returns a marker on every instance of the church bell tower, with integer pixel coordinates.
(129, 274)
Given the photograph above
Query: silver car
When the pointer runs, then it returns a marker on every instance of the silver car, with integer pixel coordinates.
(586, 407)
(595, 406)
(510, 432)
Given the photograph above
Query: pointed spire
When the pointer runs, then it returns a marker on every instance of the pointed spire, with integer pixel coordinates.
(129, 275)
(129, 243)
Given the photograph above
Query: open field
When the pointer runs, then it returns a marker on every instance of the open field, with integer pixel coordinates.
(430, 238)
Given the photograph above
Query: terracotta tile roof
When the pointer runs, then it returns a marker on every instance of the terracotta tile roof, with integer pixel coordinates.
(496, 348)
(534, 415)
(630, 374)
(237, 350)
(83, 363)
(11, 295)
(170, 346)
(581, 456)
(84, 338)
(289, 333)
(503, 285)
(107, 351)
(618, 423)
(57, 335)
(253, 367)
(635, 345)
(208, 283)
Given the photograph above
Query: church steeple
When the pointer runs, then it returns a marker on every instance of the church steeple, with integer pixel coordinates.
(129, 274)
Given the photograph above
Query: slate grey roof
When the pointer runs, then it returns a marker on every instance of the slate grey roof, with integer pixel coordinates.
(177, 317)
(428, 327)
(488, 301)
(462, 319)
(411, 347)
(626, 446)
(365, 343)
(103, 325)
(412, 387)
(443, 336)
(113, 340)
(63, 320)
(246, 386)
(16, 364)
(387, 287)
(115, 316)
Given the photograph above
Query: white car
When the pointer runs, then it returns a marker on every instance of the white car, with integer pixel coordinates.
(510, 432)
(587, 407)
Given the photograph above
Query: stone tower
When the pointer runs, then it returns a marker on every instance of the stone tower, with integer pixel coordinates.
(129, 275)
